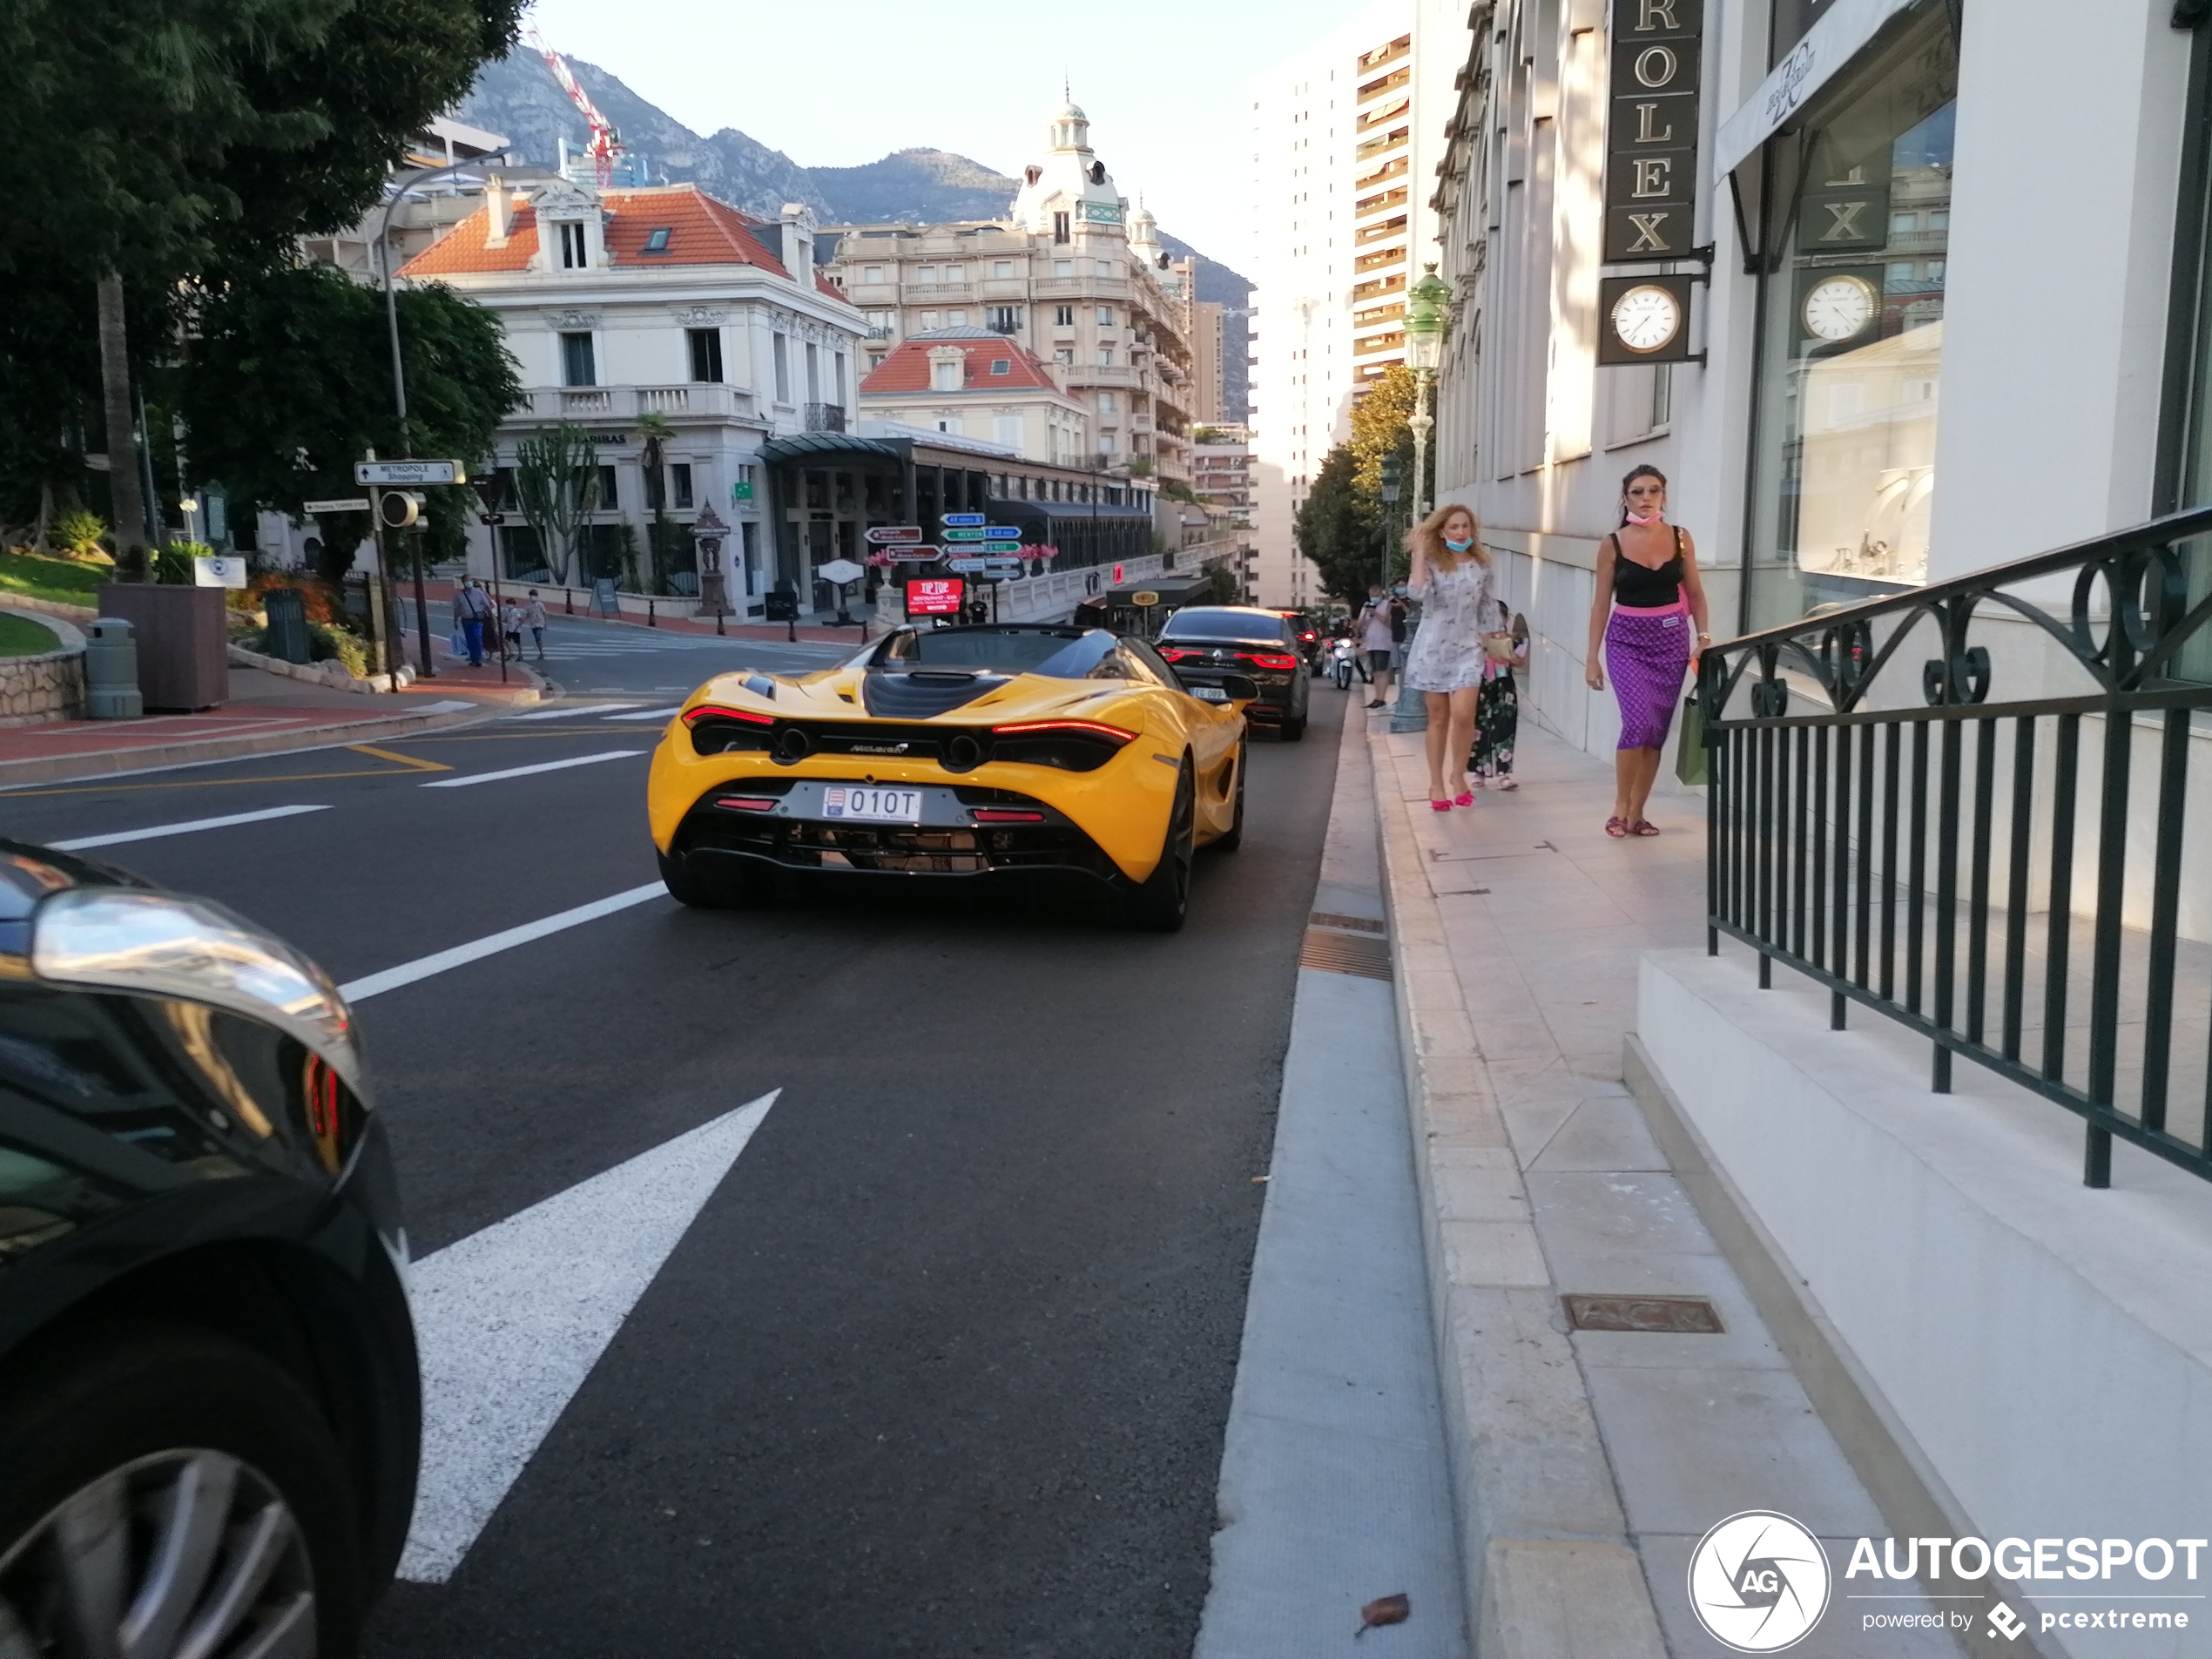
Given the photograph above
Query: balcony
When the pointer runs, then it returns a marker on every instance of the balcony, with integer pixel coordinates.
(1082, 287)
(1005, 289)
(1100, 375)
(922, 292)
(872, 294)
(703, 401)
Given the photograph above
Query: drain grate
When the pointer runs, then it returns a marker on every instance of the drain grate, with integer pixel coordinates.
(1360, 954)
(1674, 1315)
(1356, 924)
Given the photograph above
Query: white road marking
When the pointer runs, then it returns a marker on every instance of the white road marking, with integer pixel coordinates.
(511, 1321)
(491, 944)
(650, 714)
(524, 772)
(564, 714)
(160, 831)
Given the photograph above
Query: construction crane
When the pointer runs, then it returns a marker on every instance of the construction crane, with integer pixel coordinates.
(606, 142)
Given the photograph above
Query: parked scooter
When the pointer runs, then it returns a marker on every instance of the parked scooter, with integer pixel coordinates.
(1345, 660)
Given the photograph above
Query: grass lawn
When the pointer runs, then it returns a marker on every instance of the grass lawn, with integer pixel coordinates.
(20, 637)
(63, 580)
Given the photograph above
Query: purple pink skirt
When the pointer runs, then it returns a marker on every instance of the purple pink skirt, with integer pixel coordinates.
(1647, 653)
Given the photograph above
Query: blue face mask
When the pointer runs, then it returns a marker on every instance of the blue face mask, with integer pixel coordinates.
(1459, 547)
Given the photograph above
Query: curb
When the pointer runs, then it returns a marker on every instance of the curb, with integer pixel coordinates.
(15, 774)
(1548, 1568)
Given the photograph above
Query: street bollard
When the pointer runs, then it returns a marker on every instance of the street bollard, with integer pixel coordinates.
(111, 670)
(652, 614)
(570, 599)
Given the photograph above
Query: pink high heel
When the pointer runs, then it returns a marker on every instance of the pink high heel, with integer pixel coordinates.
(1436, 806)
(1465, 798)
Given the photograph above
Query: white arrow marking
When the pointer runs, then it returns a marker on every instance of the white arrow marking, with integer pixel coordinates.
(161, 831)
(511, 1321)
(564, 714)
(650, 714)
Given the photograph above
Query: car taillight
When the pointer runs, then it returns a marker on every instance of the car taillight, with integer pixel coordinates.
(748, 803)
(1176, 653)
(1113, 734)
(1273, 662)
(1001, 815)
(716, 711)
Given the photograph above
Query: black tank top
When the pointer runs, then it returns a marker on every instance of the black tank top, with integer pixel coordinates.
(1642, 585)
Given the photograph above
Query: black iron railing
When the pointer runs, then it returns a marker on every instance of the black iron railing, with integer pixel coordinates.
(1968, 808)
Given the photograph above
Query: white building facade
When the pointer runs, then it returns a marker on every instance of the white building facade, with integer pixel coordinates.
(1073, 273)
(1893, 377)
(1344, 138)
(662, 302)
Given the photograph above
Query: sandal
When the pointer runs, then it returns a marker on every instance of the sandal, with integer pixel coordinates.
(1643, 826)
(1436, 806)
(1505, 783)
(1465, 798)
(1617, 827)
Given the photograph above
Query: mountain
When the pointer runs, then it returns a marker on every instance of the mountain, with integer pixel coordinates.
(518, 97)
(915, 187)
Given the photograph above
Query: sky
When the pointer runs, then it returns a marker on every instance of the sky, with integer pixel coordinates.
(836, 83)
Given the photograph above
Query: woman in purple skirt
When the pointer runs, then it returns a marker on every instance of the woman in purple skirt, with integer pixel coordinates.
(1648, 605)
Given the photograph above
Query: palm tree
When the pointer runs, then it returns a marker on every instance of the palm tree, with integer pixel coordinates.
(654, 428)
(125, 495)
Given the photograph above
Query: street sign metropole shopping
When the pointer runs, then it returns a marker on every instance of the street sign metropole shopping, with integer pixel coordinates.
(415, 473)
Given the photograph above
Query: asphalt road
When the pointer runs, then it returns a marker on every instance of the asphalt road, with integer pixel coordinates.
(943, 1365)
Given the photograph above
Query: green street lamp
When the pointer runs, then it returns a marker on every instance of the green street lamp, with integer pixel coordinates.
(1427, 307)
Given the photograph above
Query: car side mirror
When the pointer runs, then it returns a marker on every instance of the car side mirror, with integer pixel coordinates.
(1242, 688)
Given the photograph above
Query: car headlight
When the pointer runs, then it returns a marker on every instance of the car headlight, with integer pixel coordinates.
(197, 951)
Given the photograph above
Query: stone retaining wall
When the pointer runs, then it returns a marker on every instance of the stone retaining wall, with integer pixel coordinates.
(50, 686)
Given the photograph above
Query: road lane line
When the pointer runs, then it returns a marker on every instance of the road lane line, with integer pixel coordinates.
(476, 950)
(524, 772)
(405, 761)
(650, 714)
(564, 714)
(509, 1322)
(85, 842)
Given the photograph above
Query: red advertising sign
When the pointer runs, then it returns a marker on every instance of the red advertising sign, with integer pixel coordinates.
(935, 596)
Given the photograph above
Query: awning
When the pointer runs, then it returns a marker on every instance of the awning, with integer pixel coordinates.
(1828, 45)
(825, 443)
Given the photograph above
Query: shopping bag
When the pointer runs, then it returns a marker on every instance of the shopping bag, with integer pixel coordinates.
(458, 644)
(1690, 756)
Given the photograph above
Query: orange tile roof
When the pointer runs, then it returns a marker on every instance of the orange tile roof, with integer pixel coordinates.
(906, 369)
(702, 231)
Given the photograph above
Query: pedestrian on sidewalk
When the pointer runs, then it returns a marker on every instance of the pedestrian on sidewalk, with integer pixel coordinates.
(1378, 641)
(1648, 593)
(1452, 579)
(510, 631)
(1497, 705)
(534, 619)
(472, 608)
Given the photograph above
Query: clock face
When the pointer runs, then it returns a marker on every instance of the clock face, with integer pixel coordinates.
(1646, 318)
(1840, 307)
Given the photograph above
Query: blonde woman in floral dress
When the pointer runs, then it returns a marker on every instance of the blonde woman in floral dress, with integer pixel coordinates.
(1450, 578)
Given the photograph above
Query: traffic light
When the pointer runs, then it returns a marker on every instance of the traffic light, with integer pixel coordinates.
(1390, 477)
(397, 509)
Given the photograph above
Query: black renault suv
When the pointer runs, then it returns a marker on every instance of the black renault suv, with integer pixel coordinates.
(209, 1409)
(1208, 643)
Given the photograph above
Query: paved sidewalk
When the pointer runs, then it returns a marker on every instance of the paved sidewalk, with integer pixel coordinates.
(1589, 1462)
(266, 714)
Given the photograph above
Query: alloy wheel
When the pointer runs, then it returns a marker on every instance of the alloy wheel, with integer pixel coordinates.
(188, 1554)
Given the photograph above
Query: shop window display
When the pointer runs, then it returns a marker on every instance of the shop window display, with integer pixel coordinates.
(1851, 331)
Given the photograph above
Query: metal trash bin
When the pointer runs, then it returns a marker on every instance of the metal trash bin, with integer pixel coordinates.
(287, 635)
(111, 670)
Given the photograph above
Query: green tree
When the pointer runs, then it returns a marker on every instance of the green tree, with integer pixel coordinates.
(654, 428)
(556, 485)
(288, 380)
(1337, 529)
(200, 134)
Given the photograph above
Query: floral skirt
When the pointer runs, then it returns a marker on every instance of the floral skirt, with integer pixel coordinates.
(1497, 722)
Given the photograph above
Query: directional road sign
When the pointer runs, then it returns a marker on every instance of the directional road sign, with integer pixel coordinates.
(882, 534)
(906, 551)
(964, 535)
(1002, 532)
(966, 567)
(350, 504)
(964, 518)
(1002, 567)
(1001, 547)
(409, 472)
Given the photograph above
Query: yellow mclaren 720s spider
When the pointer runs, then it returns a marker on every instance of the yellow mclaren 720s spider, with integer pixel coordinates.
(958, 753)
